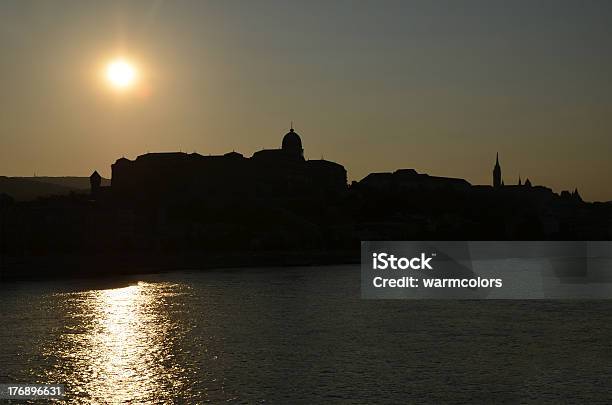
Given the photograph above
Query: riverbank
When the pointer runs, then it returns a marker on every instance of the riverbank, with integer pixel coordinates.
(44, 267)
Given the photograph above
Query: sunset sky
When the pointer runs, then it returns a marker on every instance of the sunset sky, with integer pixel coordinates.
(439, 86)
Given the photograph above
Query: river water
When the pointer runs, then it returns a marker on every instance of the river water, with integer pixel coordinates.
(296, 335)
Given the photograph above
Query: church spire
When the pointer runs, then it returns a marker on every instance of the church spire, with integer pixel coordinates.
(497, 176)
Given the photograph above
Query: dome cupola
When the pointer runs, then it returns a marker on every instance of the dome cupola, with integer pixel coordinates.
(292, 143)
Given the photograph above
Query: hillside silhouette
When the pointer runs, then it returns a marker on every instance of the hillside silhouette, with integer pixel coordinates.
(179, 210)
(30, 188)
(73, 182)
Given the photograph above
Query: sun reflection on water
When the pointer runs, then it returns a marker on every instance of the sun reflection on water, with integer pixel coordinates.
(119, 347)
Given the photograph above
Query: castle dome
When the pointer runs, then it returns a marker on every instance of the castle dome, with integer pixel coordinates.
(292, 143)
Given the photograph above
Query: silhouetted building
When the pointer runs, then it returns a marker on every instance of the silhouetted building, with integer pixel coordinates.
(95, 180)
(269, 173)
(410, 180)
(497, 175)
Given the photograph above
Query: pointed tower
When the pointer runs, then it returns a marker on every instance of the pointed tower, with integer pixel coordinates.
(520, 183)
(497, 181)
(95, 180)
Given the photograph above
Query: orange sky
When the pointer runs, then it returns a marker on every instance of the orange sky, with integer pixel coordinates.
(376, 86)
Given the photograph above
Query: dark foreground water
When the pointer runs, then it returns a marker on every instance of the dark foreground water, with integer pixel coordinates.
(297, 335)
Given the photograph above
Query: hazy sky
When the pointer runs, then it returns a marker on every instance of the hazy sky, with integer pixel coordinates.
(438, 86)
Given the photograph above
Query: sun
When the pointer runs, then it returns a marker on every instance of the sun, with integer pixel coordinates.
(121, 74)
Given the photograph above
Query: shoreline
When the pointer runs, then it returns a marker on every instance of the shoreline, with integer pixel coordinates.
(45, 267)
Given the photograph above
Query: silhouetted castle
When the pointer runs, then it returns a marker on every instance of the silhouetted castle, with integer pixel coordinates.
(281, 174)
(185, 210)
(269, 174)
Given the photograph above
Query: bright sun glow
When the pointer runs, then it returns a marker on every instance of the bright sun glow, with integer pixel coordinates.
(121, 74)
